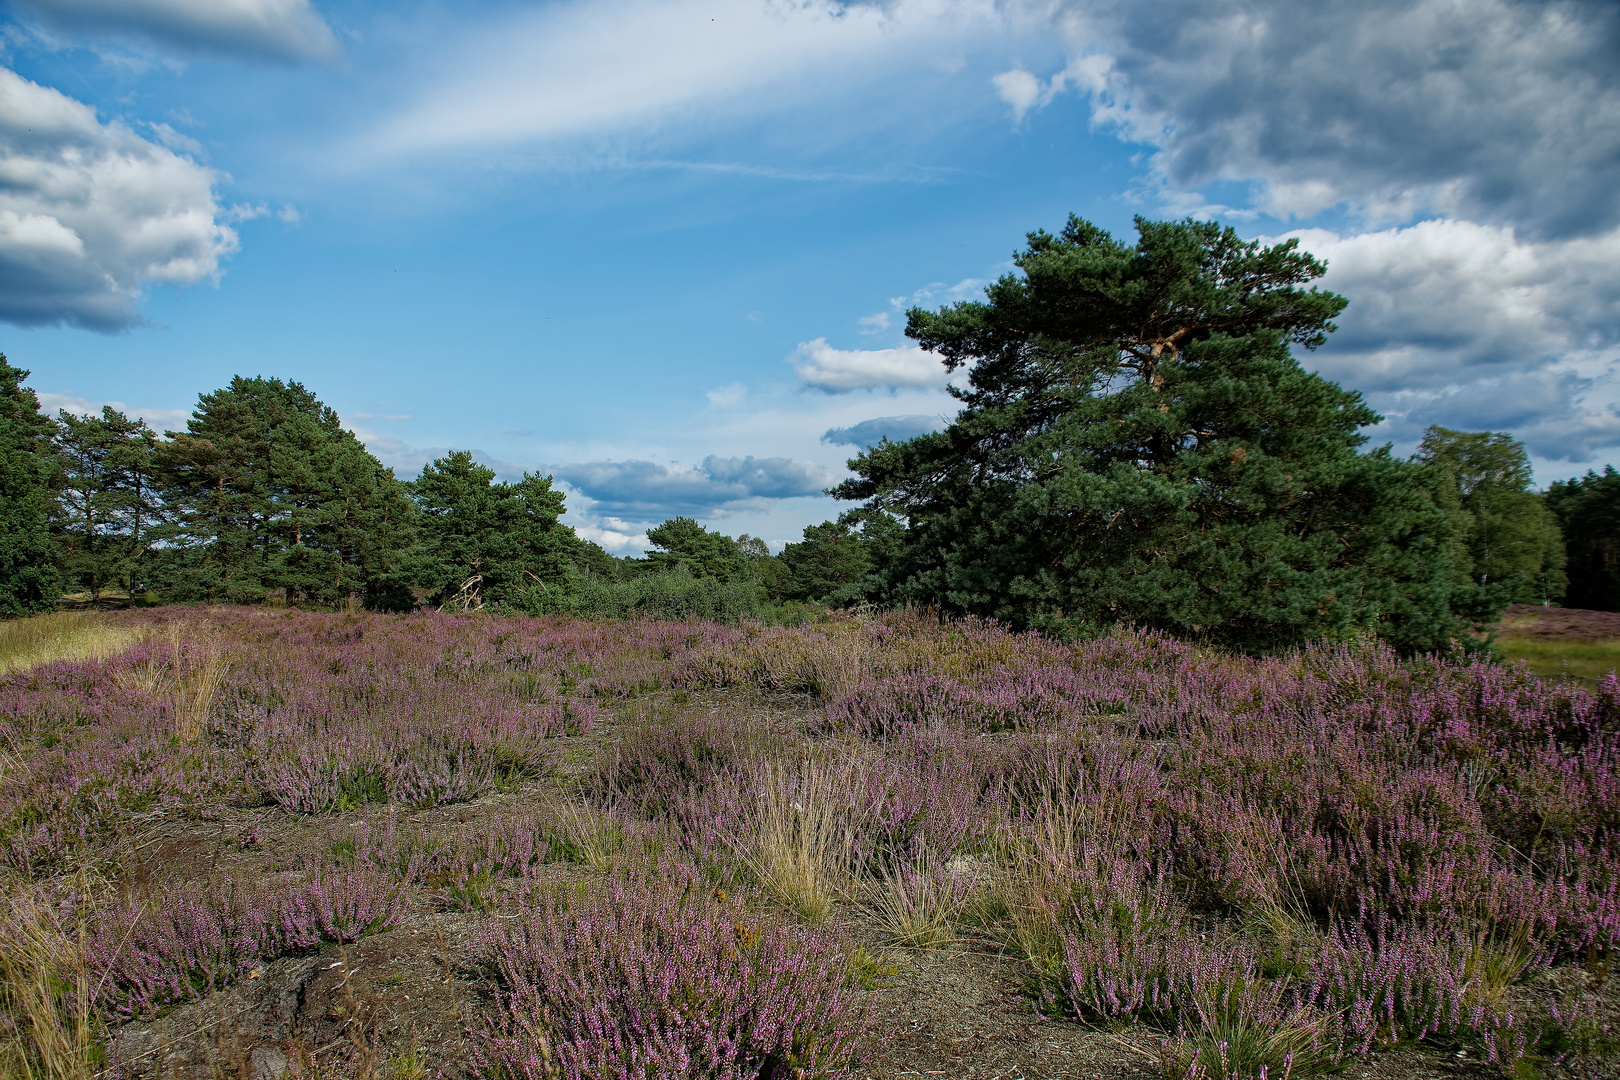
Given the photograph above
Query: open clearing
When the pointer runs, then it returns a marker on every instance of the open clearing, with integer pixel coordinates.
(274, 844)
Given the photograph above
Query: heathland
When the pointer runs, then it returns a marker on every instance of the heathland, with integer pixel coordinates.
(268, 843)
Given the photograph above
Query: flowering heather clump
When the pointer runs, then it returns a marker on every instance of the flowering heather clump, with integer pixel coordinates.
(650, 978)
(185, 944)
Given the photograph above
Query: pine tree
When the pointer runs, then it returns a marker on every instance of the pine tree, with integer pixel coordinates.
(271, 493)
(492, 543)
(1138, 444)
(108, 502)
(29, 581)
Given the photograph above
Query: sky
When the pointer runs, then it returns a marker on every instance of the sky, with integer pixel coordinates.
(662, 250)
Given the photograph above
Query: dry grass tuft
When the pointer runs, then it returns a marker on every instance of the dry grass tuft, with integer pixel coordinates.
(48, 1029)
(801, 847)
(61, 635)
(595, 837)
(918, 904)
(199, 669)
(190, 678)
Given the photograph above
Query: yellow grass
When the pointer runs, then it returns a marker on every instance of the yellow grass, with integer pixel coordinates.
(1587, 661)
(61, 635)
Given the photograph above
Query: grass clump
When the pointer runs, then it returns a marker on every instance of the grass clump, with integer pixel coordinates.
(49, 1029)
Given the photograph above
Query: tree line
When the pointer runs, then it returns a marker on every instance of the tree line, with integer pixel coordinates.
(1136, 443)
(266, 495)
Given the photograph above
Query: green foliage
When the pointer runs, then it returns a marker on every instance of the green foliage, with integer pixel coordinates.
(1138, 444)
(502, 538)
(268, 491)
(1588, 511)
(1512, 550)
(28, 575)
(834, 564)
(675, 594)
(682, 541)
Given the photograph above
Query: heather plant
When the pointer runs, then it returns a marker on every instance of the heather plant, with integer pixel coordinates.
(148, 954)
(663, 977)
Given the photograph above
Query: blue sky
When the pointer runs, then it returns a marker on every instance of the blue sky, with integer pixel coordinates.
(662, 250)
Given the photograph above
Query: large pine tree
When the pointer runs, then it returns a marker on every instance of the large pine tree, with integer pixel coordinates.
(502, 541)
(269, 492)
(1137, 443)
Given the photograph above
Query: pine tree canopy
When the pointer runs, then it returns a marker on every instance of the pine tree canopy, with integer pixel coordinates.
(1138, 444)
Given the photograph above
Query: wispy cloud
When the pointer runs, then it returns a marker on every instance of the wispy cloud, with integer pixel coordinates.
(576, 69)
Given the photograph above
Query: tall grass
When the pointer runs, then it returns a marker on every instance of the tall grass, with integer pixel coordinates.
(48, 1026)
(61, 635)
(801, 849)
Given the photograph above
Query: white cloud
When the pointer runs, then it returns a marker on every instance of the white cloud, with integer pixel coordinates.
(726, 396)
(823, 367)
(1495, 110)
(589, 68)
(160, 420)
(1019, 89)
(643, 488)
(90, 213)
(1473, 326)
(283, 30)
(876, 323)
(869, 433)
(615, 536)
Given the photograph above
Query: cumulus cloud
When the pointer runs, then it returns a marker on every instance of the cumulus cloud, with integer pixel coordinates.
(1474, 326)
(639, 489)
(823, 367)
(1503, 111)
(280, 30)
(91, 213)
(585, 68)
(615, 536)
(157, 419)
(869, 433)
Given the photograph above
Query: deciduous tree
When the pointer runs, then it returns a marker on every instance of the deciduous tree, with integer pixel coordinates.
(1514, 552)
